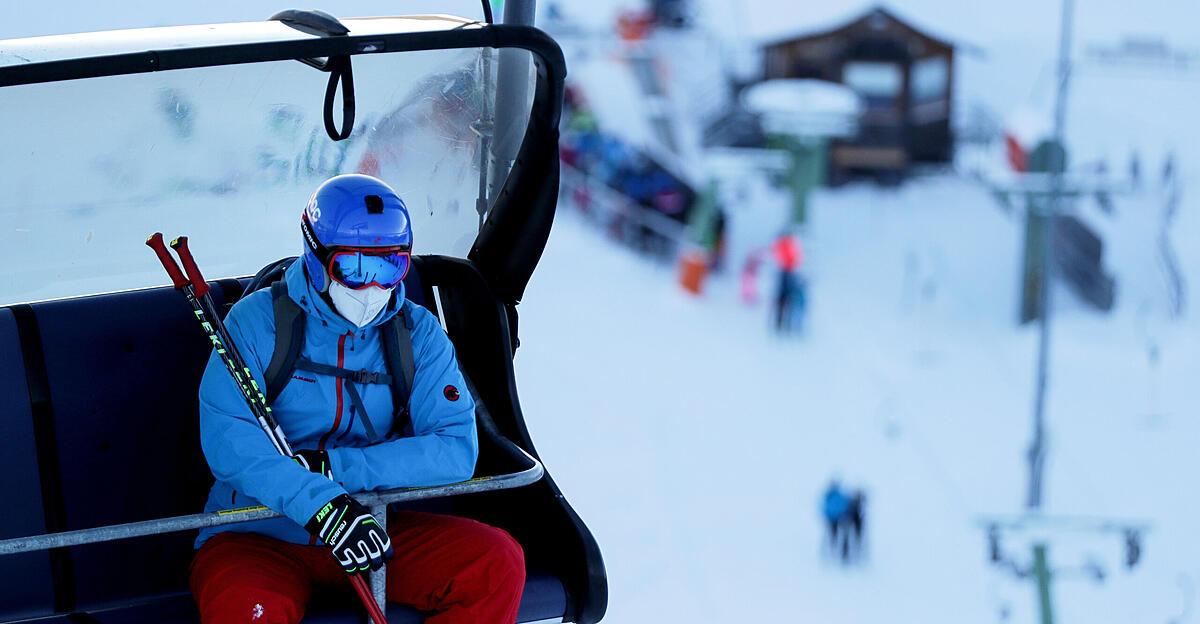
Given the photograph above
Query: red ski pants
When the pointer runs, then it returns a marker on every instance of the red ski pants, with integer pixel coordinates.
(457, 569)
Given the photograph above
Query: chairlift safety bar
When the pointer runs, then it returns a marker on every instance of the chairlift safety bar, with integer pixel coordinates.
(16, 545)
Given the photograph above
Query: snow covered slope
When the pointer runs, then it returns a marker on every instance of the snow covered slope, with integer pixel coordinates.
(696, 444)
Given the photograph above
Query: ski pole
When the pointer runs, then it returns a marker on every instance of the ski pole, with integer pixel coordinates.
(213, 324)
(265, 415)
(180, 245)
(215, 329)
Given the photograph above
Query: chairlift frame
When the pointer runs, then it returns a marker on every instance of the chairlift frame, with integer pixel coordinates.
(507, 248)
(512, 217)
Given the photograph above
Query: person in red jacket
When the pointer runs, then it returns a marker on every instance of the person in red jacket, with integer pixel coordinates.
(788, 255)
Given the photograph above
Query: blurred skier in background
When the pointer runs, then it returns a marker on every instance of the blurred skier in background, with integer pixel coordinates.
(790, 296)
(717, 244)
(844, 512)
(853, 549)
(834, 505)
(749, 282)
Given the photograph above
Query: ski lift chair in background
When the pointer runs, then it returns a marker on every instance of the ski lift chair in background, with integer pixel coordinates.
(98, 426)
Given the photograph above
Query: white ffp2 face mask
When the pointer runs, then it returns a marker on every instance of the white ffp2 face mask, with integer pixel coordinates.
(359, 306)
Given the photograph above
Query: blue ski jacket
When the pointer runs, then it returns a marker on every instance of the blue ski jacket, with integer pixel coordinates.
(835, 504)
(315, 411)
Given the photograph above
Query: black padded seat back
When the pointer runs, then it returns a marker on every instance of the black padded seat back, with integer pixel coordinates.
(414, 287)
(554, 537)
(21, 483)
(123, 372)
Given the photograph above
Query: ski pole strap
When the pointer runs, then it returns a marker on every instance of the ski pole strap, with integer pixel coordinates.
(351, 377)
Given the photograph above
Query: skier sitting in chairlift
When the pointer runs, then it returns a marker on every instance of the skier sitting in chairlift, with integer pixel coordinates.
(360, 423)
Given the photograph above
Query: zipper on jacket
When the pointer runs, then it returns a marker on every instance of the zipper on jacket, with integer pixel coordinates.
(337, 384)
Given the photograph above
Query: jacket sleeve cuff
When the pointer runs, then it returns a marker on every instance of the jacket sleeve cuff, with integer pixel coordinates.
(306, 504)
(347, 465)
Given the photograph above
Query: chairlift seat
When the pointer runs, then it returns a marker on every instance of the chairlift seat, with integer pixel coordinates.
(100, 420)
(119, 442)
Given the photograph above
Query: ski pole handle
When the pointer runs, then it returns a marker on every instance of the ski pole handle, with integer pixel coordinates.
(199, 286)
(155, 242)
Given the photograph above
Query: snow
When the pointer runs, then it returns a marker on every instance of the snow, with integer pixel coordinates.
(695, 443)
(801, 96)
(804, 106)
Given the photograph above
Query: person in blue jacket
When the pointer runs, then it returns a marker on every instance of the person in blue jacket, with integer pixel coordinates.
(357, 245)
(834, 505)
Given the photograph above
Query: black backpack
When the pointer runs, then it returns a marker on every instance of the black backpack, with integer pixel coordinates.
(289, 340)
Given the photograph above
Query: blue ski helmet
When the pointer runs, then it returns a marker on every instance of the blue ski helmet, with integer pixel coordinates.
(351, 211)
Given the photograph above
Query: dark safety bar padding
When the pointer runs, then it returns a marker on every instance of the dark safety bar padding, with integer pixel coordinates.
(20, 481)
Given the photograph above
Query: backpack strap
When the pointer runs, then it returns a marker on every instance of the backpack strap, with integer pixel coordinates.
(398, 352)
(397, 349)
(269, 274)
(289, 339)
(350, 377)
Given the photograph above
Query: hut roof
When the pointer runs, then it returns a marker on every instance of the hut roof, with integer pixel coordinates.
(874, 19)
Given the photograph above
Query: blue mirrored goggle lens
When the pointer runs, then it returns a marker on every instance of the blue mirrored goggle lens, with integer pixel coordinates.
(356, 269)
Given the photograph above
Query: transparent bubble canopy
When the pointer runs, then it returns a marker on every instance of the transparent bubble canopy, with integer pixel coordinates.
(228, 154)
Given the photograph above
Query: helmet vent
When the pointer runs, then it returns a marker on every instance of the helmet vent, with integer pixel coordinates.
(374, 204)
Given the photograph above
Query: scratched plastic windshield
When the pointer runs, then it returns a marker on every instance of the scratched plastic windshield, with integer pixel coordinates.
(229, 155)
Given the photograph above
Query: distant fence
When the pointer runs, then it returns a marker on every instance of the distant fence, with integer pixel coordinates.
(624, 219)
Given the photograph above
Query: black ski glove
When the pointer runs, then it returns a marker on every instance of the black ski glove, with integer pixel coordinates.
(357, 540)
(315, 461)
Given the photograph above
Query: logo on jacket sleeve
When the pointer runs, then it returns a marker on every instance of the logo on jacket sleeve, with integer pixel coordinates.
(451, 393)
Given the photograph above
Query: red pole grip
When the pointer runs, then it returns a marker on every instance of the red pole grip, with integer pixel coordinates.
(364, 594)
(199, 286)
(155, 242)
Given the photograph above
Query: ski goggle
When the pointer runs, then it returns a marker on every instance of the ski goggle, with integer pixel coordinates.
(358, 268)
